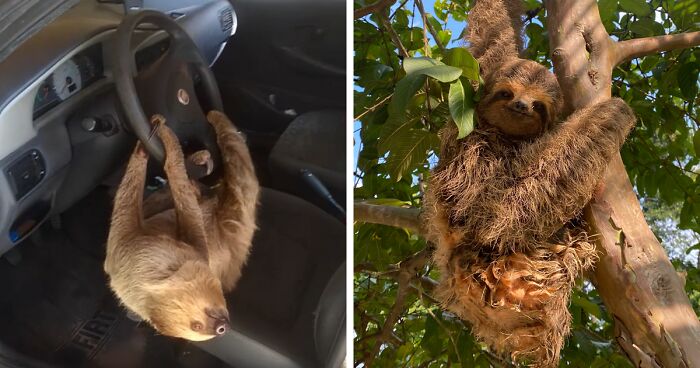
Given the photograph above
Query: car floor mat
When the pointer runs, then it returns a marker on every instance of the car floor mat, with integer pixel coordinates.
(56, 306)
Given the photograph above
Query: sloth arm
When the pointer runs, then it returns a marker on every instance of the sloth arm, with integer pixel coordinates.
(556, 175)
(190, 222)
(127, 215)
(494, 32)
(239, 193)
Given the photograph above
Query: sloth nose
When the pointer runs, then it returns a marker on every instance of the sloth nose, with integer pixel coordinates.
(520, 106)
(222, 327)
(218, 320)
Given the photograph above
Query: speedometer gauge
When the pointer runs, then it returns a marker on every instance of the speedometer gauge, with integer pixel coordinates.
(66, 80)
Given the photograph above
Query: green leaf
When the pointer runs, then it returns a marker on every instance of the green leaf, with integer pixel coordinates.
(462, 58)
(401, 19)
(686, 216)
(432, 68)
(462, 107)
(395, 129)
(483, 362)
(649, 62)
(445, 36)
(404, 350)
(587, 305)
(405, 89)
(600, 362)
(688, 82)
(584, 344)
(409, 149)
(684, 12)
(696, 143)
(432, 342)
(646, 27)
(535, 34)
(372, 74)
(412, 38)
(607, 9)
(465, 345)
(414, 65)
(416, 71)
(650, 183)
(638, 7)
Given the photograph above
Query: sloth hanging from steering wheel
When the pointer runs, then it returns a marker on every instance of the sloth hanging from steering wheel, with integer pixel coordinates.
(171, 261)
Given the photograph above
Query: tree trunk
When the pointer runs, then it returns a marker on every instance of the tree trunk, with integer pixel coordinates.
(654, 321)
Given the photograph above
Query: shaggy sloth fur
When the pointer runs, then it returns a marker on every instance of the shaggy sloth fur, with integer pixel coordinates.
(173, 265)
(503, 203)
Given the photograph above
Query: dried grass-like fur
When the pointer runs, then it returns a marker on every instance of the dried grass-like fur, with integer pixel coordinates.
(502, 202)
(517, 303)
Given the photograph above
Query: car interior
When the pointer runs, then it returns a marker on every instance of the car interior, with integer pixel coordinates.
(73, 103)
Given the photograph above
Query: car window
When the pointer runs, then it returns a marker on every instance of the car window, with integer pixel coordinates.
(23, 18)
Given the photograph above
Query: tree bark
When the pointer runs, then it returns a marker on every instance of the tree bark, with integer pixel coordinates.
(654, 321)
(631, 49)
(407, 218)
(372, 8)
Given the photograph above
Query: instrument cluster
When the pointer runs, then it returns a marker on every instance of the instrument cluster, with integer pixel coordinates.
(69, 78)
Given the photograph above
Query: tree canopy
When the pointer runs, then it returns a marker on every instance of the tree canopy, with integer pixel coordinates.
(412, 75)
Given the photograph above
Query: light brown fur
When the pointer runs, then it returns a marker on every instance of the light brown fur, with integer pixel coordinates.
(173, 268)
(503, 202)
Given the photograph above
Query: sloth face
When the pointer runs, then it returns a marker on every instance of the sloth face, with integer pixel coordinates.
(517, 110)
(190, 305)
(522, 99)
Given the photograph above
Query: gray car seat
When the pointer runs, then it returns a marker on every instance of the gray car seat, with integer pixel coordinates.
(314, 141)
(288, 310)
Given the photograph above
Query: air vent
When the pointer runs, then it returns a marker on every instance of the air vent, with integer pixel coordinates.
(226, 19)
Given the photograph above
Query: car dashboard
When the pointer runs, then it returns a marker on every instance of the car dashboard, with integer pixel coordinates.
(61, 129)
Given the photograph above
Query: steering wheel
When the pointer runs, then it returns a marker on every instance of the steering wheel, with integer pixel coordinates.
(166, 87)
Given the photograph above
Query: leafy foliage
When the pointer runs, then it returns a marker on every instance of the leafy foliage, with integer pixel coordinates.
(401, 102)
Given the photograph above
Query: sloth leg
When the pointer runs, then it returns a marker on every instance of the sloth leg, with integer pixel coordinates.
(235, 209)
(239, 194)
(190, 222)
(127, 216)
(494, 32)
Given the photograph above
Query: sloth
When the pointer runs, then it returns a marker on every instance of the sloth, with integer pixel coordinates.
(171, 262)
(503, 204)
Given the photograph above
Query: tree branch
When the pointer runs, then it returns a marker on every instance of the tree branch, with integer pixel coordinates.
(407, 218)
(407, 271)
(654, 320)
(573, 28)
(638, 47)
(392, 33)
(372, 8)
(374, 107)
(430, 27)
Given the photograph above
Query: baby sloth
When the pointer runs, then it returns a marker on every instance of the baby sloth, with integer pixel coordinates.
(503, 203)
(173, 266)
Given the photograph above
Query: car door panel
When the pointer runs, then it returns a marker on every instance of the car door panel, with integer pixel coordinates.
(287, 58)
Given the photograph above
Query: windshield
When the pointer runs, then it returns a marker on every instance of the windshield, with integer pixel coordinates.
(20, 19)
